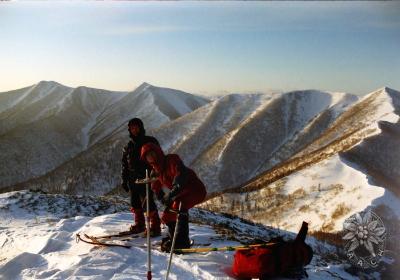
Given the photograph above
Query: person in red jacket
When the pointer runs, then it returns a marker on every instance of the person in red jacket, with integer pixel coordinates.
(176, 184)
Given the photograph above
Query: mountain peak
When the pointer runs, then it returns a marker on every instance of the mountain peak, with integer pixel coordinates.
(142, 87)
(145, 84)
(48, 83)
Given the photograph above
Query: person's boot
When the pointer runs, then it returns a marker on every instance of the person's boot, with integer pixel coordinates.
(167, 241)
(139, 225)
(155, 225)
(182, 233)
(182, 240)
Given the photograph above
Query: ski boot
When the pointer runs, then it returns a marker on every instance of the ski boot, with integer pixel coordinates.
(155, 225)
(139, 225)
(182, 240)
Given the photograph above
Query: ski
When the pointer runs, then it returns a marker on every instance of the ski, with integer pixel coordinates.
(95, 241)
(226, 248)
(119, 234)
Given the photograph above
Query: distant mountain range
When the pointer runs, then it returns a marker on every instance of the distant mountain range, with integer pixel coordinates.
(48, 126)
(243, 146)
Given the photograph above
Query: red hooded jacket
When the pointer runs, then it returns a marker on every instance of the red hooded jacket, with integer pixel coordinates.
(171, 170)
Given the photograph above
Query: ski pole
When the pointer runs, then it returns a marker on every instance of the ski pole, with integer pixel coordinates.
(173, 242)
(148, 228)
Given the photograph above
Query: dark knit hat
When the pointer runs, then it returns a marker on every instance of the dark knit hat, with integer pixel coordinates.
(139, 123)
(136, 121)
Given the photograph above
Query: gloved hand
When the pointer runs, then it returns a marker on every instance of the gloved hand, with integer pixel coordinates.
(160, 195)
(125, 187)
(176, 189)
(166, 199)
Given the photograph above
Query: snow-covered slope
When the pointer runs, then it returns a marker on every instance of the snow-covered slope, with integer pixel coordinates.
(379, 155)
(349, 167)
(155, 105)
(323, 194)
(44, 125)
(38, 241)
(47, 125)
(237, 137)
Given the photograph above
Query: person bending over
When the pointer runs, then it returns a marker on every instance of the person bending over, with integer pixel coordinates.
(176, 184)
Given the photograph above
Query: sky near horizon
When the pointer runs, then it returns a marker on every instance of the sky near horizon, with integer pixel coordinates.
(202, 47)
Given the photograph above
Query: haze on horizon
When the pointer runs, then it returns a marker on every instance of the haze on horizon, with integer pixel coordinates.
(202, 47)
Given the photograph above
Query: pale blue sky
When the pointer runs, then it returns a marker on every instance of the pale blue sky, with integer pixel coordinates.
(202, 47)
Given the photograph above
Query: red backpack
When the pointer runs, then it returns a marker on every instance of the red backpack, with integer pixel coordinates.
(277, 259)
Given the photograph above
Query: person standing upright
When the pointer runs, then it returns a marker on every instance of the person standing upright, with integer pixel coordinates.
(133, 168)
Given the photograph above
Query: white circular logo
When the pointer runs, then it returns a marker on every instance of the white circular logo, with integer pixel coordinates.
(364, 236)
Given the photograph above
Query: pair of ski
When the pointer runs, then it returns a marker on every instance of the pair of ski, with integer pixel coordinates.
(99, 240)
(127, 236)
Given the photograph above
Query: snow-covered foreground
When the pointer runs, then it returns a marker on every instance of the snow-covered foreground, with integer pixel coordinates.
(51, 252)
(38, 241)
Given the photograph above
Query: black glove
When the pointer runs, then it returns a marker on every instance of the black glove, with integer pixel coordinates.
(166, 199)
(125, 187)
(160, 195)
(176, 189)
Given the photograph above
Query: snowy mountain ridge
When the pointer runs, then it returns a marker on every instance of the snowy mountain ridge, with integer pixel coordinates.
(229, 141)
(206, 139)
(234, 128)
(48, 124)
(329, 176)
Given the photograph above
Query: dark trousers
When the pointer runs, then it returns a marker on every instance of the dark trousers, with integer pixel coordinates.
(138, 197)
